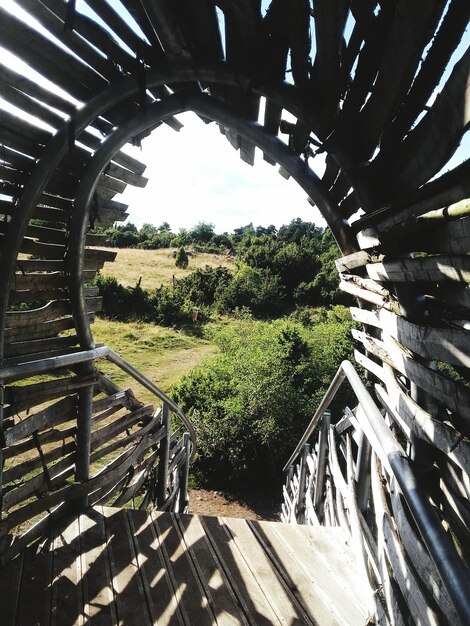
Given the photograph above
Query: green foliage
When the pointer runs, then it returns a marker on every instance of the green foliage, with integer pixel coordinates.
(276, 272)
(252, 402)
(181, 259)
(256, 289)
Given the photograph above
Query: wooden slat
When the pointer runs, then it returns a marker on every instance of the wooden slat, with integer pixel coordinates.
(30, 395)
(98, 598)
(242, 572)
(439, 434)
(455, 396)
(159, 585)
(67, 576)
(38, 346)
(35, 585)
(126, 580)
(58, 413)
(212, 577)
(190, 595)
(430, 268)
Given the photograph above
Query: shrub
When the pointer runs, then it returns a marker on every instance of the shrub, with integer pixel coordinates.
(256, 289)
(181, 259)
(253, 401)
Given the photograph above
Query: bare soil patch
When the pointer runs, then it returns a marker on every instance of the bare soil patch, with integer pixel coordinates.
(217, 503)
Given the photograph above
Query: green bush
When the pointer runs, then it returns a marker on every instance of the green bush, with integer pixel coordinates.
(181, 259)
(253, 401)
(256, 289)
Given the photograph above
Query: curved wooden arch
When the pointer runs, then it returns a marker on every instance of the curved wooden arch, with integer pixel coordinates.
(158, 112)
(127, 89)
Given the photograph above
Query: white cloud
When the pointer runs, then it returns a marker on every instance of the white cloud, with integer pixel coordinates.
(195, 175)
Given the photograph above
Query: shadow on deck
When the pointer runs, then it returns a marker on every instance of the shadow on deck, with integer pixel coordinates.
(113, 566)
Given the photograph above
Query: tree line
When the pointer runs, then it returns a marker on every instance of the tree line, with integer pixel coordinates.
(276, 273)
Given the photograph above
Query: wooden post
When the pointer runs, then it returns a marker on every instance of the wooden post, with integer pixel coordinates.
(363, 471)
(84, 415)
(302, 485)
(162, 479)
(184, 475)
(321, 463)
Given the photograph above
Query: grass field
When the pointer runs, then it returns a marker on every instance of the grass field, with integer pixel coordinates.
(162, 354)
(157, 267)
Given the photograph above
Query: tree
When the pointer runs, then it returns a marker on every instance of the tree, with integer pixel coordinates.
(202, 232)
(181, 260)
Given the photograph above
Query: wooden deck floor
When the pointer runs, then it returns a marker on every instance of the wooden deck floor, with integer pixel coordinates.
(132, 568)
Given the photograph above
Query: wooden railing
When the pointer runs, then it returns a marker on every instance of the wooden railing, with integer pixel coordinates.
(356, 475)
(72, 438)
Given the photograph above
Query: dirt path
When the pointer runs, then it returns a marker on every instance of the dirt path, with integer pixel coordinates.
(255, 506)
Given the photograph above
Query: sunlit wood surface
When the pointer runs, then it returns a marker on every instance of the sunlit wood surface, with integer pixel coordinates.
(113, 566)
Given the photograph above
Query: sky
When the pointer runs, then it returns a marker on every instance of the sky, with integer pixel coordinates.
(195, 175)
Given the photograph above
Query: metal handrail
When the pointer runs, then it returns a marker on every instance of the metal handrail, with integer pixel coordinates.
(452, 570)
(10, 373)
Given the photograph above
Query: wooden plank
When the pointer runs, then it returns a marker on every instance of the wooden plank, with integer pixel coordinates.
(410, 28)
(32, 347)
(126, 581)
(453, 395)
(355, 260)
(245, 572)
(10, 589)
(57, 413)
(158, 582)
(283, 597)
(431, 143)
(212, 577)
(431, 268)
(23, 469)
(305, 586)
(45, 330)
(191, 597)
(325, 557)
(442, 435)
(35, 600)
(98, 599)
(67, 576)
(442, 344)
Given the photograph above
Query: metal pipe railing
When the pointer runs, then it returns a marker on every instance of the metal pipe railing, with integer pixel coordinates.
(452, 570)
(11, 373)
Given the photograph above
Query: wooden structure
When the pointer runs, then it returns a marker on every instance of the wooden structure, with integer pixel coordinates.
(113, 566)
(380, 88)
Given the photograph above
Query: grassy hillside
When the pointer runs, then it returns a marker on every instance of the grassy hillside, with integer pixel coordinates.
(157, 267)
(162, 354)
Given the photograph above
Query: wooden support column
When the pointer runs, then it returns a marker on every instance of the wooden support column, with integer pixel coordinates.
(162, 478)
(84, 415)
(302, 484)
(363, 472)
(184, 475)
(321, 462)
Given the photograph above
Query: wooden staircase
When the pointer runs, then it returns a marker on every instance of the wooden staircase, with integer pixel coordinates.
(111, 566)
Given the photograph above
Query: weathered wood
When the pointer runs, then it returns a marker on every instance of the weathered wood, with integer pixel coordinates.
(440, 434)
(453, 395)
(57, 413)
(158, 581)
(22, 348)
(441, 344)
(431, 268)
(26, 396)
(420, 558)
